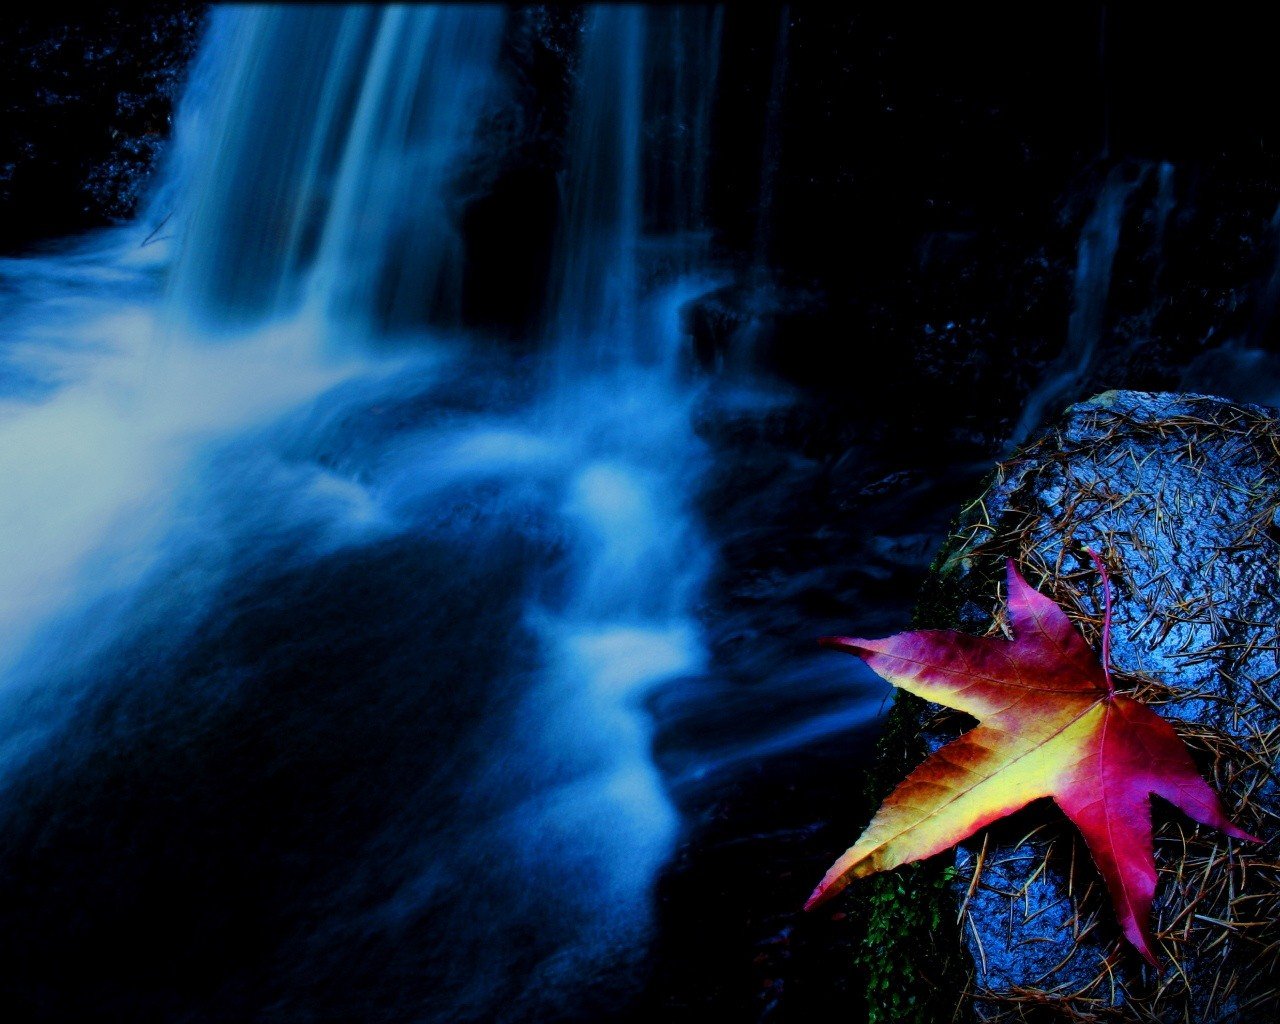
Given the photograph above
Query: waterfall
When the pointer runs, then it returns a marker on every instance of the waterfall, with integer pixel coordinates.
(683, 67)
(1095, 255)
(636, 173)
(596, 282)
(337, 134)
(374, 624)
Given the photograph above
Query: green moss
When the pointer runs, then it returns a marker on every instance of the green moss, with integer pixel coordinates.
(907, 958)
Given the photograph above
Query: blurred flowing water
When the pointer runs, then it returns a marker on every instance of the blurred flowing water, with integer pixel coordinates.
(354, 667)
(1095, 255)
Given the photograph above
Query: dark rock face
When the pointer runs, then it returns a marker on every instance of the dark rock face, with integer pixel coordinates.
(509, 214)
(935, 175)
(1180, 493)
(87, 106)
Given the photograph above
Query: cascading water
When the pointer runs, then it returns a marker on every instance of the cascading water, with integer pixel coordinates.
(333, 187)
(327, 601)
(1094, 257)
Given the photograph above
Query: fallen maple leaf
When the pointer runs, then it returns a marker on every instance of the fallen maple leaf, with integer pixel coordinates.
(1051, 724)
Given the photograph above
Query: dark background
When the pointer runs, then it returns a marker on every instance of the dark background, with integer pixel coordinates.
(902, 190)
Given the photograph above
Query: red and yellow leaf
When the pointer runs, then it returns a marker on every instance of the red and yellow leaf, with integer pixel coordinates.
(1050, 725)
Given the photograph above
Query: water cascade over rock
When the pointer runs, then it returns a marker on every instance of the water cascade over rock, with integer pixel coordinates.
(329, 628)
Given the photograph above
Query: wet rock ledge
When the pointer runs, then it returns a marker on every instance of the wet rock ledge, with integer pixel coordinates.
(1181, 494)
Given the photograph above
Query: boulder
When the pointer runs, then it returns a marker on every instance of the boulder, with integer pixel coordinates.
(1181, 495)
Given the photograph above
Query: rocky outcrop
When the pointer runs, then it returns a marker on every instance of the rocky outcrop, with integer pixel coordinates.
(1181, 495)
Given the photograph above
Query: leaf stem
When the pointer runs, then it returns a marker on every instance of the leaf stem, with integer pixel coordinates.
(1106, 619)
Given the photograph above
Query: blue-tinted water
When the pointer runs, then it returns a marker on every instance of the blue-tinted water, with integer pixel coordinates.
(336, 640)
